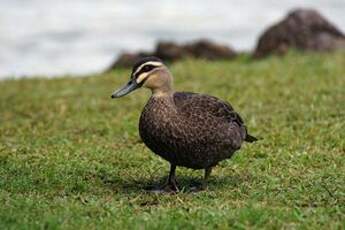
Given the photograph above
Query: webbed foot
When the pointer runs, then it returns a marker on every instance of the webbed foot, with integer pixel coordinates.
(203, 185)
(170, 186)
(198, 187)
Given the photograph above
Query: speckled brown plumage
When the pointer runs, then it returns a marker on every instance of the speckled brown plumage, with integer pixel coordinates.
(191, 130)
(187, 129)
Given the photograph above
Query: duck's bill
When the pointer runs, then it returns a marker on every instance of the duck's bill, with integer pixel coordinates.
(131, 86)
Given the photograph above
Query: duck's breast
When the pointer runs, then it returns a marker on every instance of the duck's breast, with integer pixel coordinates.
(158, 127)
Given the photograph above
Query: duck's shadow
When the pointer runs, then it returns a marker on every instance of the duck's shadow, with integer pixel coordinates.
(186, 184)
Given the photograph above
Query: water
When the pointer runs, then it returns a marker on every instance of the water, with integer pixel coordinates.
(58, 37)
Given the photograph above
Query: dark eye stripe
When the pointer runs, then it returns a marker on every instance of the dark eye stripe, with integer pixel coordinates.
(146, 68)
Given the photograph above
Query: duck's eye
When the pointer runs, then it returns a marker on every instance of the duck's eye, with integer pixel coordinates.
(148, 68)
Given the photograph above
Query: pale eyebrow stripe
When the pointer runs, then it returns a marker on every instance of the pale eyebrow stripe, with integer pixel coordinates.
(141, 77)
(154, 63)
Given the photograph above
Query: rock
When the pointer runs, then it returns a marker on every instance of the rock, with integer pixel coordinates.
(208, 50)
(203, 48)
(128, 59)
(303, 29)
(170, 51)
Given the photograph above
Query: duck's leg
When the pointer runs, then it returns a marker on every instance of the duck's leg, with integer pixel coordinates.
(203, 184)
(207, 175)
(171, 184)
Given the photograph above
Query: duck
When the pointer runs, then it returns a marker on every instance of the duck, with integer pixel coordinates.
(187, 129)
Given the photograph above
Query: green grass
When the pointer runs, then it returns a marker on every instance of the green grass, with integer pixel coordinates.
(70, 157)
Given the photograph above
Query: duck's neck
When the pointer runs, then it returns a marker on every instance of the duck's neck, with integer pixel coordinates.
(163, 92)
(163, 85)
(165, 97)
(163, 105)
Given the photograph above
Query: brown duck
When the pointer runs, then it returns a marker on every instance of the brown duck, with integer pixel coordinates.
(187, 129)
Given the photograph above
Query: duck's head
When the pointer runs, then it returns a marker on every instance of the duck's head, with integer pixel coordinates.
(151, 73)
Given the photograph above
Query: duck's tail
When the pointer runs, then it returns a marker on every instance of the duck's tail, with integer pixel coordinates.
(250, 138)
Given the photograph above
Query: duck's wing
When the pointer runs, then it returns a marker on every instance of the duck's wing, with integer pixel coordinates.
(206, 106)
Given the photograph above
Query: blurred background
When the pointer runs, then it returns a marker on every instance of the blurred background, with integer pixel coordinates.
(51, 38)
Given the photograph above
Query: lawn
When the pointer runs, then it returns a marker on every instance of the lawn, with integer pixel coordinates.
(71, 158)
